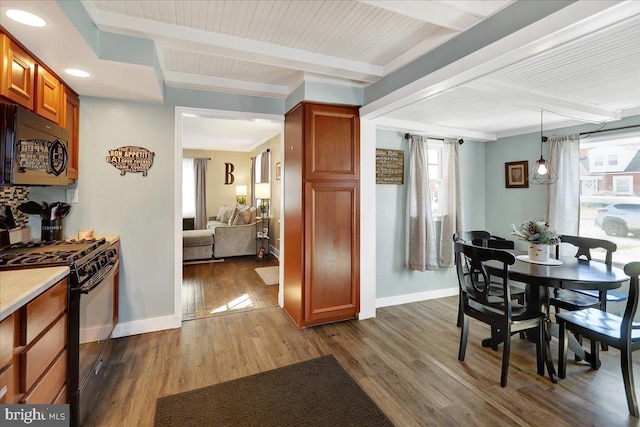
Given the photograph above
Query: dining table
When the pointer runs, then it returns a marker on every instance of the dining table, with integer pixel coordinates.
(566, 272)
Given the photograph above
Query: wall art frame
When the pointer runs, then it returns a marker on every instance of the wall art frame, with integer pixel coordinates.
(516, 174)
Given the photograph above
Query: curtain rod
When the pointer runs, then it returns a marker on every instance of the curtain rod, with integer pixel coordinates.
(408, 135)
(544, 138)
(198, 158)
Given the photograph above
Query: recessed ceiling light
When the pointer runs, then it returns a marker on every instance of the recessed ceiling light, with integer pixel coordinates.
(25, 18)
(76, 73)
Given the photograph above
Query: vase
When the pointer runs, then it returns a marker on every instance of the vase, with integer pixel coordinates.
(538, 252)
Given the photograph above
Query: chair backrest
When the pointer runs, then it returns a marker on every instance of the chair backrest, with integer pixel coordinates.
(585, 244)
(483, 238)
(477, 237)
(498, 242)
(475, 283)
(632, 270)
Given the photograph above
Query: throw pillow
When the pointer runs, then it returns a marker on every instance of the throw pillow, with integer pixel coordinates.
(246, 215)
(252, 210)
(239, 218)
(225, 213)
(232, 218)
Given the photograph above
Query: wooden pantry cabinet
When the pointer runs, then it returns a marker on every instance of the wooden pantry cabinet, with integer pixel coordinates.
(33, 351)
(321, 213)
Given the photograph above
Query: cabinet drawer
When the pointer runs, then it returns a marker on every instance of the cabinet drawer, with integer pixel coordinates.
(42, 311)
(35, 360)
(47, 389)
(7, 327)
(7, 386)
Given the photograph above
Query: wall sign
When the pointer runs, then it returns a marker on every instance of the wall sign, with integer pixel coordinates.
(131, 159)
(389, 166)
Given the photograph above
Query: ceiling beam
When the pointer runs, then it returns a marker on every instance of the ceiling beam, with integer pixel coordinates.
(433, 130)
(197, 81)
(491, 91)
(569, 23)
(429, 11)
(234, 47)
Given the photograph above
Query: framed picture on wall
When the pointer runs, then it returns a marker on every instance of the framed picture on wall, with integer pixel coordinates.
(516, 174)
(278, 171)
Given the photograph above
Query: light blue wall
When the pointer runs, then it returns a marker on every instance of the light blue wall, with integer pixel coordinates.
(391, 277)
(506, 206)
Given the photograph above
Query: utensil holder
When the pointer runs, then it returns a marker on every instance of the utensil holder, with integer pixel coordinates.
(51, 229)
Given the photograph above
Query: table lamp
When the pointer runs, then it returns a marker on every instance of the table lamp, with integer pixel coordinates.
(241, 194)
(263, 193)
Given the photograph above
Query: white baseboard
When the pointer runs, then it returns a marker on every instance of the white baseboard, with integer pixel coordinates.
(275, 252)
(419, 296)
(146, 325)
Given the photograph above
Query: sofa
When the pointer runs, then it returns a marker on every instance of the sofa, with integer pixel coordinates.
(230, 233)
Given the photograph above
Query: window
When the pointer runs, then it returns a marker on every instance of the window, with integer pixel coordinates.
(434, 164)
(188, 189)
(610, 194)
(623, 184)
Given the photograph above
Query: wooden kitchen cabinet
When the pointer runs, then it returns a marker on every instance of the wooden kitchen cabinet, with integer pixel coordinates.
(70, 120)
(321, 213)
(33, 350)
(48, 95)
(17, 81)
(7, 349)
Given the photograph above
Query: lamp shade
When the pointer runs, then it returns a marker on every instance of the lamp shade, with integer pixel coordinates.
(263, 190)
(241, 190)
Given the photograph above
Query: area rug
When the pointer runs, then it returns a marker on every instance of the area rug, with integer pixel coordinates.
(269, 275)
(318, 392)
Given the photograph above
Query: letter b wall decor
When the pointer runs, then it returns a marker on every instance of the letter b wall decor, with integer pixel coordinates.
(228, 174)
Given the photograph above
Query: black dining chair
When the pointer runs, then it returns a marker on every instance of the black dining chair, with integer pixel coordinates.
(599, 326)
(498, 311)
(571, 300)
(486, 239)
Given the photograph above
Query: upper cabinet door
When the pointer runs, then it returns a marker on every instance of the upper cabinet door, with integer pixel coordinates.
(18, 74)
(332, 142)
(70, 119)
(48, 97)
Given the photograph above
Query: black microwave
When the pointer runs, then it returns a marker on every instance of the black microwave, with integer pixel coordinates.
(33, 150)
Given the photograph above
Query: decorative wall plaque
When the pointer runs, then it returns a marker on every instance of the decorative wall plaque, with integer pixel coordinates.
(389, 166)
(131, 159)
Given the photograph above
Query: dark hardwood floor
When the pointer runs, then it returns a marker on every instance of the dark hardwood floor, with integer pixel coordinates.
(405, 359)
(211, 289)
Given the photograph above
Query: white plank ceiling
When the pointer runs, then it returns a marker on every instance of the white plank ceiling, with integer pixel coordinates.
(267, 47)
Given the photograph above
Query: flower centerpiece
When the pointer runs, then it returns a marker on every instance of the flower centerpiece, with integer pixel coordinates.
(540, 235)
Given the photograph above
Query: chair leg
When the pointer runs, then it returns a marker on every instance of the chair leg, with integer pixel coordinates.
(627, 376)
(495, 338)
(603, 307)
(464, 333)
(460, 310)
(595, 354)
(540, 353)
(563, 342)
(505, 356)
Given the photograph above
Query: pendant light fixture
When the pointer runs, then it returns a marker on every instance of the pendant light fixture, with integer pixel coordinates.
(542, 172)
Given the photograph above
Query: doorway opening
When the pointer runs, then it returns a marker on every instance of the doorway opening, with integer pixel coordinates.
(231, 282)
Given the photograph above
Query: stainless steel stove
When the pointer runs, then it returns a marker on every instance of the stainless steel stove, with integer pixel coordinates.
(92, 307)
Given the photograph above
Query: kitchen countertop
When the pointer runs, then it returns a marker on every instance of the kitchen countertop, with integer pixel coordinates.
(18, 287)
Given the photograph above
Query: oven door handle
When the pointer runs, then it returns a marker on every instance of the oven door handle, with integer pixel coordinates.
(96, 280)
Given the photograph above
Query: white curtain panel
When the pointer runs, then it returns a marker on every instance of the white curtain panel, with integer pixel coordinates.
(420, 239)
(450, 201)
(200, 169)
(563, 197)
